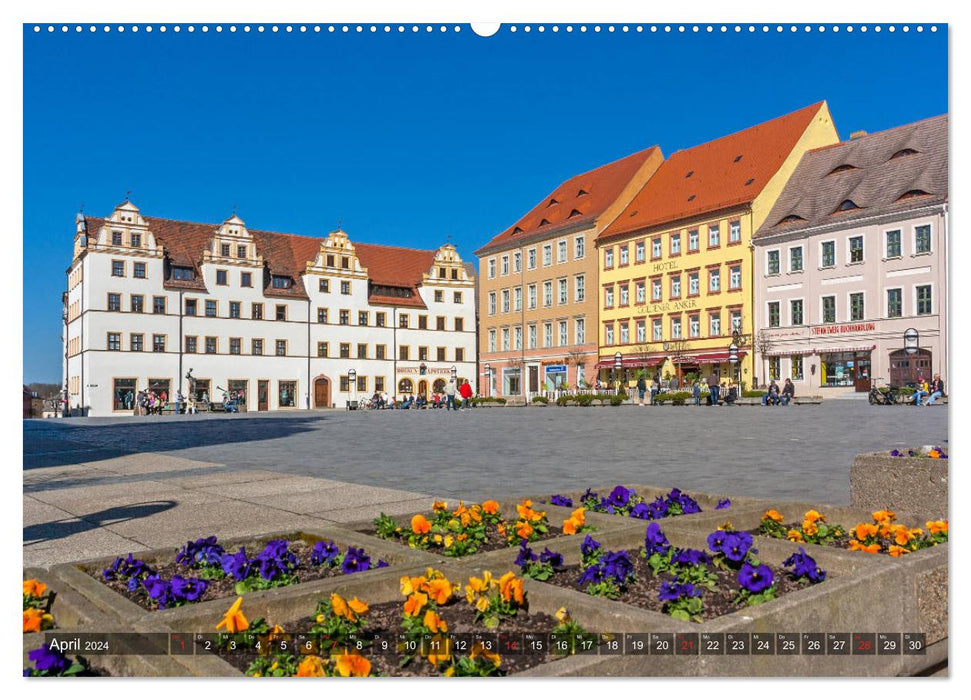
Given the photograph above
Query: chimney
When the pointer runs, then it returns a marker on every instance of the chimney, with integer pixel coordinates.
(857, 134)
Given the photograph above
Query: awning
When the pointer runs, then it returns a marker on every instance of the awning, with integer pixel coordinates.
(787, 353)
(856, 348)
(708, 358)
(631, 362)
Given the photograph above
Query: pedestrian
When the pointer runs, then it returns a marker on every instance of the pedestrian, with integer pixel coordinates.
(696, 390)
(466, 393)
(655, 388)
(713, 389)
(922, 390)
(179, 400)
(936, 389)
(641, 389)
(788, 392)
(450, 395)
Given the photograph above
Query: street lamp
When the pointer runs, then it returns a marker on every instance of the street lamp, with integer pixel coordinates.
(454, 372)
(618, 364)
(488, 374)
(352, 380)
(912, 345)
(733, 356)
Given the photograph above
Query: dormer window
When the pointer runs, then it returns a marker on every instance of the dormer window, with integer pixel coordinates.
(903, 152)
(116, 238)
(910, 194)
(516, 231)
(737, 158)
(544, 222)
(842, 168)
(282, 282)
(552, 202)
(691, 198)
(582, 192)
(136, 240)
(847, 205)
(183, 273)
(749, 181)
(575, 212)
(791, 219)
(689, 174)
(224, 250)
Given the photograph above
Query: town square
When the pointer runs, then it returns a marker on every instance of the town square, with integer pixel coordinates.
(647, 380)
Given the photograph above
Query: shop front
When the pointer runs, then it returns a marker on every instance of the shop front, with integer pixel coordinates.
(555, 377)
(846, 367)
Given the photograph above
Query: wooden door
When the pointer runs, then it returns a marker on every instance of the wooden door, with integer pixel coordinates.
(263, 395)
(322, 393)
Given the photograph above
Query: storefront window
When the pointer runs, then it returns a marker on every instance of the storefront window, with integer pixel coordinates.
(844, 368)
(238, 388)
(797, 368)
(405, 386)
(124, 395)
(774, 368)
(287, 394)
(201, 392)
(160, 385)
(510, 381)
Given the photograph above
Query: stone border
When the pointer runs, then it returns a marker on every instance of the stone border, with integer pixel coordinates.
(915, 484)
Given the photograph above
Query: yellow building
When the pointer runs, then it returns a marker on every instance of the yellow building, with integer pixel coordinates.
(676, 266)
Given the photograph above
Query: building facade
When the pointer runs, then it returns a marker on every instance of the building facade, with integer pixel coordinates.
(281, 320)
(854, 254)
(676, 264)
(538, 283)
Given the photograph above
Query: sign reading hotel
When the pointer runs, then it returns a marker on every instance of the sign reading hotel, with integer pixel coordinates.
(843, 328)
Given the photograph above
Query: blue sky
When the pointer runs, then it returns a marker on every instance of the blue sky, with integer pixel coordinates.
(405, 138)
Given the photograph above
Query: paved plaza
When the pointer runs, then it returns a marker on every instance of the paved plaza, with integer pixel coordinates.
(99, 486)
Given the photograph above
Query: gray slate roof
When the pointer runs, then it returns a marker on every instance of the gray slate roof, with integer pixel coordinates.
(871, 177)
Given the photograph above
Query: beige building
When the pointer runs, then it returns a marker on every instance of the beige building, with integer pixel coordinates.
(538, 283)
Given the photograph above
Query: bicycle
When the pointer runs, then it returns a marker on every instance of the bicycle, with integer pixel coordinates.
(888, 396)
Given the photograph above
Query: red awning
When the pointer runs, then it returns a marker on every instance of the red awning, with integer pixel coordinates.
(631, 362)
(858, 348)
(788, 353)
(708, 358)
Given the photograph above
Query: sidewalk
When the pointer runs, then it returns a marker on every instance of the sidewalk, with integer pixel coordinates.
(113, 506)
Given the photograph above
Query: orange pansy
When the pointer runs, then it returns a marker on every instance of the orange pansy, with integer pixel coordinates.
(420, 524)
(414, 604)
(439, 506)
(490, 507)
(865, 530)
(353, 665)
(339, 606)
(524, 530)
(511, 588)
(32, 619)
(809, 527)
(358, 606)
(896, 551)
(772, 515)
(434, 623)
(312, 666)
(479, 650)
(410, 584)
(34, 588)
(813, 515)
(569, 526)
(439, 590)
(937, 526)
(794, 536)
(884, 516)
(234, 620)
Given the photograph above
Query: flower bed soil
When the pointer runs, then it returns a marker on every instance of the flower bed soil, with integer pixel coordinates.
(494, 541)
(218, 587)
(643, 593)
(384, 620)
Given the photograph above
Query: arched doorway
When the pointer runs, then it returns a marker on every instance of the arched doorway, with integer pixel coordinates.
(321, 392)
(423, 388)
(405, 386)
(439, 386)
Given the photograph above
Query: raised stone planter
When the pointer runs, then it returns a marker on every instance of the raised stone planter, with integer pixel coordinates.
(914, 484)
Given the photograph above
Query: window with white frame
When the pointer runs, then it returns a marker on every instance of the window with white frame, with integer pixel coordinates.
(895, 303)
(548, 293)
(563, 289)
(561, 251)
(492, 303)
(795, 312)
(924, 299)
(656, 289)
(773, 315)
(857, 312)
(856, 249)
(714, 237)
(714, 324)
(922, 239)
(624, 295)
(694, 284)
(548, 334)
(639, 253)
(505, 301)
(579, 249)
(675, 244)
(657, 328)
(609, 334)
(531, 258)
(795, 259)
(735, 232)
(608, 297)
(504, 266)
(579, 288)
(505, 338)
(675, 286)
(828, 309)
(714, 280)
(735, 318)
(641, 331)
(656, 247)
(580, 329)
(624, 259)
(827, 254)
(531, 337)
(735, 277)
(640, 292)
(531, 296)
(492, 340)
(517, 261)
(517, 299)
(693, 240)
(772, 262)
(547, 254)
(694, 326)
(492, 268)
(624, 333)
(564, 340)
(518, 335)
(893, 243)
(676, 328)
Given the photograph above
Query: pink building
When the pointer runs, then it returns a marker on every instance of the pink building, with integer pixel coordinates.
(852, 255)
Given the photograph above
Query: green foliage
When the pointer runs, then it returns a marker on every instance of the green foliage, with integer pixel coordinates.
(479, 400)
(273, 666)
(605, 589)
(753, 394)
(685, 608)
(387, 528)
(678, 398)
(584, 399)
(564, 400)
(618, 399)
(540, 399)
(255, 582)
(478, 667)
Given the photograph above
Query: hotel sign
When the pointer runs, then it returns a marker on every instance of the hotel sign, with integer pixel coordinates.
(843, 328)
(666, 306)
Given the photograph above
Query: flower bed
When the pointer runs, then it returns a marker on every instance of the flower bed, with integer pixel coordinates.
(429, 631)
(623, 500)
(47, 663)
(38, 601)
(685, 583)
(882, 536)
(205, 570)
(475, 528)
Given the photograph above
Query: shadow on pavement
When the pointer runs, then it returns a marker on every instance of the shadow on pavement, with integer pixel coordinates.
(58, 529)
(67, 442)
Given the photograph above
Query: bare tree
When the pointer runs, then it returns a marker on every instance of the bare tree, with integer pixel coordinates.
(764, 344)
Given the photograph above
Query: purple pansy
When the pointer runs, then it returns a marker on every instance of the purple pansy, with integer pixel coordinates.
(641, 510)
(689, 557)
(619, 497)
(204, 551)
(723, 503)
(655, 541)
(558, 500)
(526, 556)
(355, 560)
(50, 660)
(804, 565)
(554, 559)
(324, 552)
(736, 545)
(671, 590)
(755, 579)
(617, 565)
(589, 546)
(237, 565)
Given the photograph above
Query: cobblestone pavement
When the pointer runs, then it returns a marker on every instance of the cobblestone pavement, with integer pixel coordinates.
(789, 452)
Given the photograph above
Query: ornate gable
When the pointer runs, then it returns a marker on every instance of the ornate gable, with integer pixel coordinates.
(448, 267)
(232, 244)
(336, 256)
(125, 231)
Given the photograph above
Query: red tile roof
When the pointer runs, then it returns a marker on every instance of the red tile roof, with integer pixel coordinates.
(288, 254)
(711, 176)
(579, 200)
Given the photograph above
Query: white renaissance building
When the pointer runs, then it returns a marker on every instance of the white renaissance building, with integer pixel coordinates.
(284, 321)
